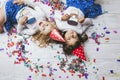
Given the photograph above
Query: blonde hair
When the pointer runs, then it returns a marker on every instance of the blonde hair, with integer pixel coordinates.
(40, 39)
(43, 40)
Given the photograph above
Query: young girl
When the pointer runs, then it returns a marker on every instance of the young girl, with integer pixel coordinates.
(73, 30)
(73, 40)
(25, 16)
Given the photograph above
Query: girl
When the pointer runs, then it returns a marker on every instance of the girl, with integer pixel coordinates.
(36, 15)
(25, 16)
(73, 40)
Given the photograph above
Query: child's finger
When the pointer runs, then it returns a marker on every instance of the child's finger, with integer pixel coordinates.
(25, 19)
(15, 1)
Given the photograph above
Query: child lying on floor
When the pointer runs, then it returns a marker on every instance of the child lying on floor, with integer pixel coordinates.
(28, 18)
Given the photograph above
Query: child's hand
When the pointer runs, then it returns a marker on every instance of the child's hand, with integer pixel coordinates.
(19, 2)
(23, 20)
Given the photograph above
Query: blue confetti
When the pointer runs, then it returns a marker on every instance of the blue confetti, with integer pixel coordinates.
(105, 28)
(111, 71)
(107, 32)
(118, 60)
(86, 75)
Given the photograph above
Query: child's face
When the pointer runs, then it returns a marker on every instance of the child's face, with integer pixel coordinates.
(45, 27)
(71, 37)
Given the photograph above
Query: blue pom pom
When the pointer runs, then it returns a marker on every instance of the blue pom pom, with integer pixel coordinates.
(31, 20)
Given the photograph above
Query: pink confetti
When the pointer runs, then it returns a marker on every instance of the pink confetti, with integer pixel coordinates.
(115, 32)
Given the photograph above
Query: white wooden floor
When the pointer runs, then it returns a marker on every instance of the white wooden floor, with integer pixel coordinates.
(104, 58)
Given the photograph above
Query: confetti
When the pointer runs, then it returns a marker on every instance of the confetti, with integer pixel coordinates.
(111, 71)
(118, 60)
(115, 32)
(97, 49)
(103, 78)
(94, 60)
(60, 77)
(107, 39)
(44, 75)
(29, 78)
(1, 49)
(86, 75)
(59, 57)
(79, 76)
(105, 28)
(71, 71)
(107, 32)
(63, 70)
(55, 69)
(67, 76)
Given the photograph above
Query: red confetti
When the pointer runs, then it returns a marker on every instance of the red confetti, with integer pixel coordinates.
(71, 71)
(16, 62)
(63, 70)
(79, 76)
(94, 60)
(44, 75)
(103, 78)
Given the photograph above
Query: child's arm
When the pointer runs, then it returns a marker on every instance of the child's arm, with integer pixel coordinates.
(21, 24)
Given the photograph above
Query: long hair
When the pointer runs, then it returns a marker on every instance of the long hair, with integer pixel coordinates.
(68, 49)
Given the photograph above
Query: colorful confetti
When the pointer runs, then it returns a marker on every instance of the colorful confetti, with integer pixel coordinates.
(1, 49)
